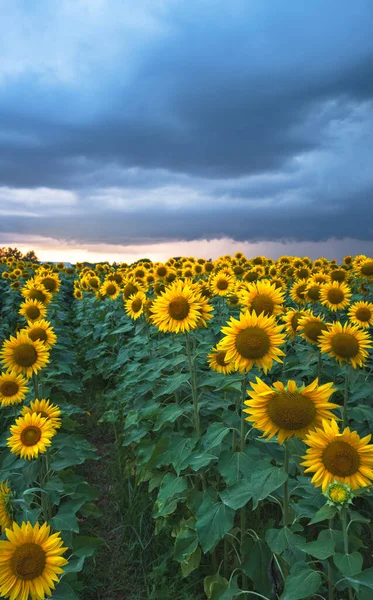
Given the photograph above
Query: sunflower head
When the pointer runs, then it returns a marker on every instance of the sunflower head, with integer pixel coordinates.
(42, 331)
(6, 506)
(346, 343)
(44, 408)
(30, 436)
(217, 361)
(23, 355)
(32, 310)
(13, 388)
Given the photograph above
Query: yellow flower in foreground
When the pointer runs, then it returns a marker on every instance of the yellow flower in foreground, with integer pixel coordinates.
(288, 411)
(32, 310)
(334, 456)
(13, 388)
(23, 355)
(45, 409)
(346, 343)
(361, 313)
(252, 339)
(30, 562)
(42, 331)
(335, 295)
(263, 297)
(30, 436)
(6, 519)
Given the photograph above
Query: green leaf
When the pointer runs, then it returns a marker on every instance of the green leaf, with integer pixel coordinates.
(170, 493)
(364, 578)
(191, 562)
(214, 435)
(348, 564)
(214, 583)
(256, 558)
(64, 591)
(264, 482)
(238, 494)
(168, 414)
(324, 513)
(213, 520)
(233, 466)
(322, 548)
(65, 519)
(186, 543)
(280, 539)
(302, 582)
(86, 546)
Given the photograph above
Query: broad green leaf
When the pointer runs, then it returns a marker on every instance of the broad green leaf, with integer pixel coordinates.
(65, 518)
(238, 494)
(264, 482)
(86, 546)
(365, 578)
(168, 414)
(214, 583)
(322, 548)
(170, 493)
(302, 582)
(191, 562)
(348, 564)
(213, 520)
(324, 513)
(186, 543)
(256, 559)
(234, 466)
(280, 539)
(214, 435)
(64, 591)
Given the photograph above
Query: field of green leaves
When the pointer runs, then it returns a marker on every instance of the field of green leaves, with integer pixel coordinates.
(187, 430)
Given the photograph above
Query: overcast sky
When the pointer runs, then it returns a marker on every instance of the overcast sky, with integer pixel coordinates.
(140, 128)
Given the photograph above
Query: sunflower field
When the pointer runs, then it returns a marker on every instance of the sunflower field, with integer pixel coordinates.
(215, 416)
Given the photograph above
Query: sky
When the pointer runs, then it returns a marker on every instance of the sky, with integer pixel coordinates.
(158, 128)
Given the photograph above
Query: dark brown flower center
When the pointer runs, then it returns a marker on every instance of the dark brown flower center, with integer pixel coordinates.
(30, 435)
(9, 388)
(111, 289)
(25, 355)
(363, 314)
(314, 329)
(161, 271)
(129, 290)
(136, 305)
(345, 345)
(341, 459)
(38, 333)
(335, 296)
(262, 303)
(220, 358)
(50, 283)
(367, 269)
(253, 342)
(32, 312)
(314, 292)
(291, 410)
(28, 561)
(295, 320)
(222, 284)
(301, 290)
(179, 309)
(37, 295)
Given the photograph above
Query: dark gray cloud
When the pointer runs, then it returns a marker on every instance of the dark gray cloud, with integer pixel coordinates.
(248, 120)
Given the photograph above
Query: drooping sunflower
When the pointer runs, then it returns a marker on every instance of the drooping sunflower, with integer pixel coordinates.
(222, 284)
(217, 361)
(361, 313)
(45, 409)
(263, 297)
(335, 295)
(346, 343)
(32, 310)
(23, 355)
(6, 512)
(42, 331)
(310, 327)
(334, 456)
(31, 560)
(177, 309)
(134, 306)
(30, 436)
(291, 321)
(110, 289)
(252, 339)
(288, 411)
(13, 388)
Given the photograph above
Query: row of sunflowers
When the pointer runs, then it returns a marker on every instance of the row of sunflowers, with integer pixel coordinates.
(239, 392)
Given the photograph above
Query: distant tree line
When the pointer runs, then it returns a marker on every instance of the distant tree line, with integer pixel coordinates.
(29, 256)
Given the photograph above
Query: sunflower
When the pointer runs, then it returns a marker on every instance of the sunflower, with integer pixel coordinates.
(78, 294)
(312, 291)
(6, 512)
(365, 269)
(30, 435)
(42, 331)
(45, 409)
(35, 291)
(161, 271)
(361, 313)
(50, 281)
(298, 291)
(23, 355)
(32, 310)
(252, 339)
(222, 284)
(13, 388)
(177, 309)
(335, 295)
(110, 289)
(31, 560)
(134, 306)
(263, 297)
(291, 321)
(346, 343)
(288, 411)
(310, 327)
(217, 361)
(132, 286)
(338, 275)
(334, 456)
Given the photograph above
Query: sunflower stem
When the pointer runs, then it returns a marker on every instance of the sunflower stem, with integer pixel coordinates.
(345, 399)
(319, 366)
(35, 381)
(345, 543)
(226, 557)
(46, 504)
(243, 523)
(193, 378)
(285, 512)
(330, 570)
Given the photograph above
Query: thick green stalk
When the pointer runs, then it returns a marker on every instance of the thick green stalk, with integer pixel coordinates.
(193, 380)
(345, 543)
(243, 521)
(330, 570)
(46, 504)
(285, 513)
(35, 381)
(345, 398)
